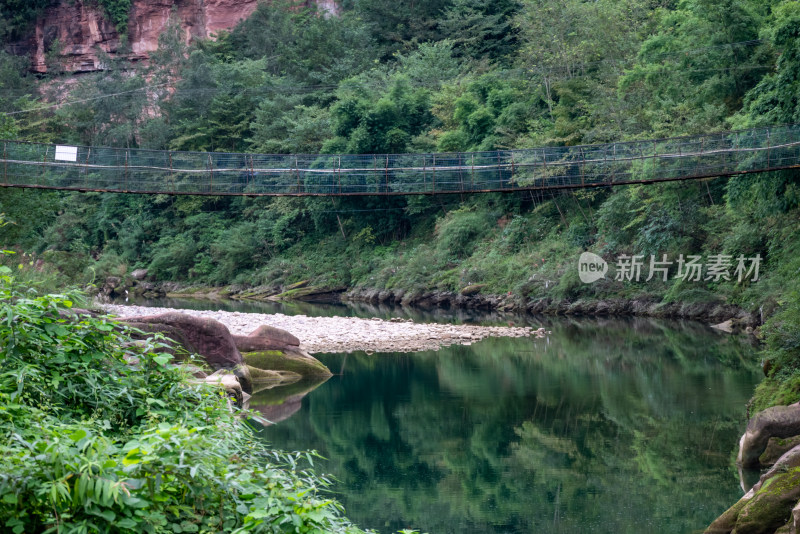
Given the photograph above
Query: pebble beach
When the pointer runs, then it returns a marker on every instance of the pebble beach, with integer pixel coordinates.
(347, 334)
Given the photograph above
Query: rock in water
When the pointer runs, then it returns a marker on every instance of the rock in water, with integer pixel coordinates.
(769, 505)
(266, 338)
(776, 448)
(207, 337)
(229, 383)
(778, 421)
(139, 274)
(295, 361)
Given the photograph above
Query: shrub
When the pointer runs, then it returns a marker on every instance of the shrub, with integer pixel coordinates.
(460, 231)
(92, 443)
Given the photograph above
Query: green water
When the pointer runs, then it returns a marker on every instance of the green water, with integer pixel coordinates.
(606, 426)
(603, 427)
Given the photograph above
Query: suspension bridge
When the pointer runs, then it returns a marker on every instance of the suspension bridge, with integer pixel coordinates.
(129, 170)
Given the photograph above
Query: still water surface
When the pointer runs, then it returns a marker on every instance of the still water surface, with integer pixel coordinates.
(606, 426)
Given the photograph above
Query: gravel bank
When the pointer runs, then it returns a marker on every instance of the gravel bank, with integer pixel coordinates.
(347, 334)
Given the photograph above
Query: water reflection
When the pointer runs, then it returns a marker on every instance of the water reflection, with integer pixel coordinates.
(275, 404)
(344, 309)
(605, 426)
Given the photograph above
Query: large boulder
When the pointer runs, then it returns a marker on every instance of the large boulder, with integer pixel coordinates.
(266, 338)
(199, 335)
(473, 289)
(273, 349)
(229, 383)
(139, 274)
(295, 361)
(769, 505)
(778, 421)
(776, 448)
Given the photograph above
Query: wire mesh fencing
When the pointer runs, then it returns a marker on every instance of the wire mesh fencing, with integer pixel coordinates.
(219, 173)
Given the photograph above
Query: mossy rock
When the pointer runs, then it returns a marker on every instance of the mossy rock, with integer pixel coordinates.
(771, 507)
(297, 285)
(257, 293)
(474, 289)
(725, 523)
(777, 447)
(303, 292)
(294, 361)
(292, 294)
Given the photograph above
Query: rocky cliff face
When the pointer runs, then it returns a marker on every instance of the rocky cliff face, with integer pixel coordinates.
(81, 30)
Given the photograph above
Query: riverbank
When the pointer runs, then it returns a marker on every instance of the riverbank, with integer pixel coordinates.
(347, 334)
(709, 312)
(704, 311)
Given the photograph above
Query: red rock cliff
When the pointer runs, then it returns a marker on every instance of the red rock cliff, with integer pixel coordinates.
(81, 28)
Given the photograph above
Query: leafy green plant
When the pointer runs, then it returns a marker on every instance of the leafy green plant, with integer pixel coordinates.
(118, 11)
(100, 434)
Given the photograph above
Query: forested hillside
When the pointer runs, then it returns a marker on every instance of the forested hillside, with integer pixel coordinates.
(440, 75)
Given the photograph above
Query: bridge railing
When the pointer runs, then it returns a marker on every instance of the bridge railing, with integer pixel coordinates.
(219, 173)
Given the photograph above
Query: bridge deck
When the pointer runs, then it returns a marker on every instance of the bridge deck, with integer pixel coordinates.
(142, 171)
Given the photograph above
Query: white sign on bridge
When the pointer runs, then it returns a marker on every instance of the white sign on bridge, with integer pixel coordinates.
(66, 153)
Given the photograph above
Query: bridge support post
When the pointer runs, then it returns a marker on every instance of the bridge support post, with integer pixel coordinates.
(86, 168)
(472, 173)
(424, 169)
(460, 174)
(251, 178)
(171, 177)
(385, 170)
(544, 163)
(210, 175)
(374, 167)
(126, 171)
(655, 161)
(433, 191)
(499, 171)
(297, 172)
(44, 163)
(769, 143)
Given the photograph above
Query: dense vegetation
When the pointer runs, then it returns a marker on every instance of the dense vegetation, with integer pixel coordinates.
(397, 76)
(100, 434)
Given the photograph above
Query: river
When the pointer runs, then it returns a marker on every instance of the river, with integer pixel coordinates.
(604, 426)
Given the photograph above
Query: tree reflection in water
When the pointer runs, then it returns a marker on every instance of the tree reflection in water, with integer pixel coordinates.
(605, 426)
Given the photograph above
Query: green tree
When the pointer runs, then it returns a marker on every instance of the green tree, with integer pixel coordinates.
(398, 24)
(698, 66)
(481, 30)
(214, 105)
(776, 97)
(382, 123)
(17, 16)
(488, 113)
(118, 102)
